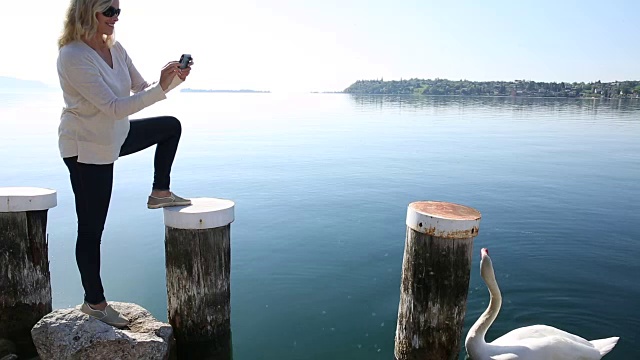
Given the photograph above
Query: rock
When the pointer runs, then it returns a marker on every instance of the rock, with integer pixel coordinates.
(7, 347)
(70, 334)
(10, 357)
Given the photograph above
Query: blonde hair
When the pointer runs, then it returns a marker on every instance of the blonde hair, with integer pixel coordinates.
(81, 21)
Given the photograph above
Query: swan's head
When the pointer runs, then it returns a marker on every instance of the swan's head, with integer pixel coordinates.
(486, 266)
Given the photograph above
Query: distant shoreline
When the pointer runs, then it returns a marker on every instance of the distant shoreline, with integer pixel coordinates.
(496, 96)
(516, 88)
(224, 91)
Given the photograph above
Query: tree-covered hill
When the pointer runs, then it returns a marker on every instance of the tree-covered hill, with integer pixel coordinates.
(615, 89)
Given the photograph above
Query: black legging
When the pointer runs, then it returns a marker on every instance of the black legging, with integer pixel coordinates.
(92, 189)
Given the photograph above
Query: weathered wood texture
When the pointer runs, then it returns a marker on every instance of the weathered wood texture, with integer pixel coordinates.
(198, 266)
(25, 282)
(433, 297)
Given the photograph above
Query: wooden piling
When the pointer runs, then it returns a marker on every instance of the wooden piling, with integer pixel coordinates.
(198, 262)
(435, 280)
(25, 282)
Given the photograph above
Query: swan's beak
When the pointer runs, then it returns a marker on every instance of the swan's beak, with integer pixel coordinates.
(486, 267)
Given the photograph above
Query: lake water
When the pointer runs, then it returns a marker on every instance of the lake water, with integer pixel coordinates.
(322, 183)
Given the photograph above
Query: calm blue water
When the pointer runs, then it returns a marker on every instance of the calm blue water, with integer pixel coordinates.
(321, 184)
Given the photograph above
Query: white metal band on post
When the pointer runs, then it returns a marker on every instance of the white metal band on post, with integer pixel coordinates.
(21, 199)
(203, 213)
(443, 219)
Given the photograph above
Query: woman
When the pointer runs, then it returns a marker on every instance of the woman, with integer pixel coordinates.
(97, 78)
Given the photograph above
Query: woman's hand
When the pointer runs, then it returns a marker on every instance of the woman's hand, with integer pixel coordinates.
(183, 73)
(167, 74)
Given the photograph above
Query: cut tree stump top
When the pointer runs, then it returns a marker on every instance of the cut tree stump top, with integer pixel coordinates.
(443, 219)
(19, 199)
(203, 213)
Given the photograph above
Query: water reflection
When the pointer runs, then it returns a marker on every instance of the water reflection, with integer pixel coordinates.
(516, 104)
(218, 346)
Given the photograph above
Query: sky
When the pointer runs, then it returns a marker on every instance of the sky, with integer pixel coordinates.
(326, 45)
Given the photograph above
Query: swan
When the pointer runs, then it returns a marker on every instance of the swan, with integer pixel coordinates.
(537, 342)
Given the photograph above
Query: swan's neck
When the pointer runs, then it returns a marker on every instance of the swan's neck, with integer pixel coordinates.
(475, 339)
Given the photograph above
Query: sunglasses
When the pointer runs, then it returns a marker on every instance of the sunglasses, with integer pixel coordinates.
(111, 12)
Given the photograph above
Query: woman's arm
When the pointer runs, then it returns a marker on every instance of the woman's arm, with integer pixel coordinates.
(137, 81)
(82, 74)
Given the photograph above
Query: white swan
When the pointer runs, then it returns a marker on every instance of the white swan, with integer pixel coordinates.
(537, 342)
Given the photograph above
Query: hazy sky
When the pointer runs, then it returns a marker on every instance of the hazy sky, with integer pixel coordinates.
(325, 45)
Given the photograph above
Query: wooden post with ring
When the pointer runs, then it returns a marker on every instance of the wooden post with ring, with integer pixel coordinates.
(25, 281)
(198, 264)
(435, 280)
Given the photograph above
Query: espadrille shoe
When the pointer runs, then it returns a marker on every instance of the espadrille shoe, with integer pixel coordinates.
(173, 200)
(108, 316)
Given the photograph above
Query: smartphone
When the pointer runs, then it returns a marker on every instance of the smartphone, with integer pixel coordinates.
(184, 60)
